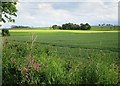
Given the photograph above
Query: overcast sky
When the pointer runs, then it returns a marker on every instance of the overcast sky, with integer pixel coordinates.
(44, 14)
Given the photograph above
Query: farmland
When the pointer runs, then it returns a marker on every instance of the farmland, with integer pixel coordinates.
(60, 57)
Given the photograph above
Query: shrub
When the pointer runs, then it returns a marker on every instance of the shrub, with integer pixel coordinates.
(5, 32)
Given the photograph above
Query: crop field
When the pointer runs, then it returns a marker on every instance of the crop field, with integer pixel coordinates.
(60, 57)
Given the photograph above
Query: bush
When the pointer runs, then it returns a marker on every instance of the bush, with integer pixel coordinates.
(5, 32)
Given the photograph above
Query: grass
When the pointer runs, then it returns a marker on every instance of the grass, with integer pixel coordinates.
(60, 57)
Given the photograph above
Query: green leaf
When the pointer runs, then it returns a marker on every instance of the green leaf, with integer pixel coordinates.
(6, 16)
(3, 20)
(8, 9)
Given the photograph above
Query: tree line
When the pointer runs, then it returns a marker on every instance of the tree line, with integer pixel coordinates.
(71, 26)
(106, 25)
(14, 26)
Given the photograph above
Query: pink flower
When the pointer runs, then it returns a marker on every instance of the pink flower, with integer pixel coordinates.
(26, 77)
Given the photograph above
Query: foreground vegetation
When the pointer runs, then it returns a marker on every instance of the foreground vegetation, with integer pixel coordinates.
(60, 58)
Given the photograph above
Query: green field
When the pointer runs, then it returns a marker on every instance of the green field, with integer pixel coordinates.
(105, 28)
(108, 41)
(70, 57)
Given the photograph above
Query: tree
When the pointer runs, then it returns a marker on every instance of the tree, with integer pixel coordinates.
(56, 27)
(70, 26)
(14, 26)
(88, 27)
(85, 26)
(8, 9)
(76, 27)
(98, 24)
(82, 26)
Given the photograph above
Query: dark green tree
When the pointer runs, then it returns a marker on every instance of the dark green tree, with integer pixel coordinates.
(8, 9)
(85, 26)
(88, 27)
(70, 26)
(56, 27)
(82, 26)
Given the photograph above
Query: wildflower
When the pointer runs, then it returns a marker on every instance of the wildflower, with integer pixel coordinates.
(26, 77)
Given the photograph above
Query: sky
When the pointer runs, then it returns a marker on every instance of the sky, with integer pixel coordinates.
(47, 13)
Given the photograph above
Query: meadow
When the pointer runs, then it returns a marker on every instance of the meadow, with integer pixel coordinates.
(60, 57)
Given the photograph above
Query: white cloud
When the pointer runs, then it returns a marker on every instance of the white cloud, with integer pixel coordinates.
(52, 13)
(95, 12)
(45, 14)
(68, 0)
